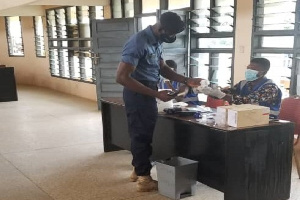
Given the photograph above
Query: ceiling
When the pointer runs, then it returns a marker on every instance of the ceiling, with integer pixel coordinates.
(37, 7)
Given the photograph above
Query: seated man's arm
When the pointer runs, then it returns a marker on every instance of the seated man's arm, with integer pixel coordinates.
(168, 73)
(268, 93)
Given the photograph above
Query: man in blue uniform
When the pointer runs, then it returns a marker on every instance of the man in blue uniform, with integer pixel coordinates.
(255, 89)
(139, 72)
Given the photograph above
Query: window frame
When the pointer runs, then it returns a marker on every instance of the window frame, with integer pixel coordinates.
(194, 37)
(73, 43)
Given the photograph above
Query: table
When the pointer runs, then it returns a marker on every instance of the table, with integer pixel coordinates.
(252, 163)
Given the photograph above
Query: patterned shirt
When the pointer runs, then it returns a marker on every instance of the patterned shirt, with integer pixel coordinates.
(265, 93)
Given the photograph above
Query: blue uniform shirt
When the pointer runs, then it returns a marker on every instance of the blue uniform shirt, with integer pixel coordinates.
(144, 51)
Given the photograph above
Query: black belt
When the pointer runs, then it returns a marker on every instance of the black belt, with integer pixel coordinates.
(150, 84)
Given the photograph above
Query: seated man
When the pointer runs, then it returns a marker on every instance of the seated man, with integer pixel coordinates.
(187, 94)
(167, 84)
(256, 89)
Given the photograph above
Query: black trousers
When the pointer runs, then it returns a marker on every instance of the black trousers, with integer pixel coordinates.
(141, 111)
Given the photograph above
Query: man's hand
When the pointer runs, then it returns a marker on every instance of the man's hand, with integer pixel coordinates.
(164, 96)
(214, 92)
(194, 82)
(228, 98)
(226, 89)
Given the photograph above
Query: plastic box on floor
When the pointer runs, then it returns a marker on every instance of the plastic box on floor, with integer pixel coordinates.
(177, 177)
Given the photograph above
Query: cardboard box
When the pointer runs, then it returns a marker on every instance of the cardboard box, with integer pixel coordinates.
(248, 115)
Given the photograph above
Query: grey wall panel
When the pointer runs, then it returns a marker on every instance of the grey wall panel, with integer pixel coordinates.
(108, 73)
(110, 58)
(112, 42)
(117, 34)
(109, 80)
(110, 65)
(112, 94)
(111, 87)
(111, 50)
(107, 26)
(109, 37)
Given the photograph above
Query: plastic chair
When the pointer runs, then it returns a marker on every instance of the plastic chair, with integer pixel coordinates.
(290, 110)
(214, 103)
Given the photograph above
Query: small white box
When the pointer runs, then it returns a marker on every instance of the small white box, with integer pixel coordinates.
(248, 115)
(222, 114)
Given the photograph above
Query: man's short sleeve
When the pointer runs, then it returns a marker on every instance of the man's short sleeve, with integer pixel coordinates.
(133, 50)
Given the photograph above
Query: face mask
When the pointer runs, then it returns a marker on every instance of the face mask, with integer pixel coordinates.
(251, 75)
(167, 39)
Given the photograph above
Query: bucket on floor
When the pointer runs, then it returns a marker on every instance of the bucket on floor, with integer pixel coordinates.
(177, 177)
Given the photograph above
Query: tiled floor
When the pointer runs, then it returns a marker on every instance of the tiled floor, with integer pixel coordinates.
(51, 149)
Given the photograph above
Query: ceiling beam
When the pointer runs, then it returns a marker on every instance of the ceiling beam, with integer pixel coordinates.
(24, 11)
(5, 4)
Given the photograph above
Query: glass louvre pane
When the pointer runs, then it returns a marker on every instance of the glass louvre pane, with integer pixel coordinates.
(129, 10)
(76, 67)
(99, 12)
(280, 71)
(61, 23)
(221, 69)
(146, 21)
(39, 36)
(117, 8)
(200, 4)
(215, 43)
(14, 36)
(71, 16)
(276, 15)
(222, 16)
(54, 62)
(88, 68)
(218, 71)
(83, 14)
(65, 63)
(177, 4)
(200, 20)
(84, 21)
(51, 24)
(72, 25)
(200, 65)
(224, 2)
(150, 6)
(278, 42)
(201, 61)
